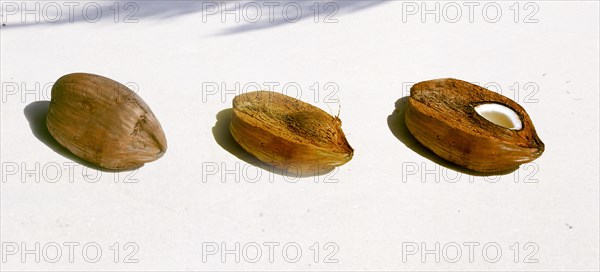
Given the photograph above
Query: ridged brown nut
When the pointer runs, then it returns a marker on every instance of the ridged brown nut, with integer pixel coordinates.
(104, 122)
(442, 115)
(288, 133)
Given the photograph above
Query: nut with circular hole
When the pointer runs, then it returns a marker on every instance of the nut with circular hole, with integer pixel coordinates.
(471, 126)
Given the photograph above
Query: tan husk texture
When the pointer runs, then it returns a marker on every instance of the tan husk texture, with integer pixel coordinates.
(441, 115)
(288, 133)
(104, 122)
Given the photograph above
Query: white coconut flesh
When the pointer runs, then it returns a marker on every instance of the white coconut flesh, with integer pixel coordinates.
(500, 115)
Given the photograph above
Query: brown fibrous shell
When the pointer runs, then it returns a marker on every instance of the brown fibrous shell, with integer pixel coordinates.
(288, 133)
(441, 115)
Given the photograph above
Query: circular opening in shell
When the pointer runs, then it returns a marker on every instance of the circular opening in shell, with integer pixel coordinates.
(500, 115)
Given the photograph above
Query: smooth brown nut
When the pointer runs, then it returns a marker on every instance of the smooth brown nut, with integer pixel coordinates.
(288, 133)
(104, 122)
(443, 115)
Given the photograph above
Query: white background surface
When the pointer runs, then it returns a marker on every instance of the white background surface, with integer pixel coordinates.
(387, 197)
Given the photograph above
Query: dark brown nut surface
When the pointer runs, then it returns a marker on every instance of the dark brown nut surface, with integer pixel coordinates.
(471, 126)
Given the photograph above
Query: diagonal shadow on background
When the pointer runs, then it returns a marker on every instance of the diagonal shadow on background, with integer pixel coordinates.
(245, 14)
(322, 12)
